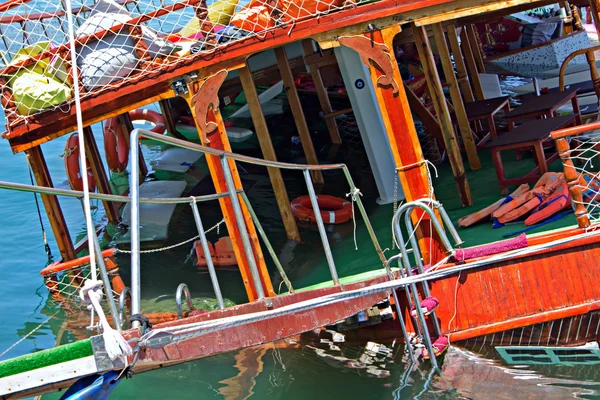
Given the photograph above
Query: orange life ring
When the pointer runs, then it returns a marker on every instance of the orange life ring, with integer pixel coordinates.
(116, 145)
(73, 168)
(334, 210)
(148, 115)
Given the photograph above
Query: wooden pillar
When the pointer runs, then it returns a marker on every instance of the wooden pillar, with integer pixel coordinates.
(457, 101)
(125, 120)
(204, 115)
(296, 106)
(332, 127)
(266, 146)
(476, 46)
(461, 69)
(402, 135)
(573, 181)
(95, 161)
(443, 114)
(165, 110)
(471, 65)
(594, 10)
(51, 204)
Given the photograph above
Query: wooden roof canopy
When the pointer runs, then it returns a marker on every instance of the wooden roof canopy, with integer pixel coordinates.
(156, 85)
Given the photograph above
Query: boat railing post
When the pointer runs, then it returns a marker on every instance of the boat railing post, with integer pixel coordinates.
(134, 228)
(445, 218)
(397, 306)
(106, 280)
(414, 291)
(122, 298)
(267, 242)
(209, 262)
(239, 217)
(183, 290)
(321, 226)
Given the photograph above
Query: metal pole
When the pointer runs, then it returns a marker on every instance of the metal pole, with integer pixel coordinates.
(415, 294)
(265, 239)
(134, 228)
(209, 261)
(107, 286)
(445, 218)
(321, 226)
(398, 311)
(239, 217)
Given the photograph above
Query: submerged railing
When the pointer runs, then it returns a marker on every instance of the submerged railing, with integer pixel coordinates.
(234, 195)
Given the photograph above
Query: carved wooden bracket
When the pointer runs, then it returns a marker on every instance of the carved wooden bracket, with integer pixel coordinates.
(377, 53)
(205, 99)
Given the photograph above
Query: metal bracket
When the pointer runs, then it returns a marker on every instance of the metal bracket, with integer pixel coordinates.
(376, 53)
(180, 87)
(103, 361)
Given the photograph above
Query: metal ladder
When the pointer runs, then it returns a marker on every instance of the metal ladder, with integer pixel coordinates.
(412, 293)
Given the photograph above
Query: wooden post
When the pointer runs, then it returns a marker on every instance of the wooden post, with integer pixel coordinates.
(594, 75)
(93, 155)
(443, 114)
(404, 142)
(125, 121)
(51, 204)
(461, 69)
(266, 146)
(296, 106)
(457, 101)
(577, 24)
(594, 10)
(219, 140)
(572, 178)
(425, 116)
(471, 65)
(334, 133)
(165, 110)
(476, 47)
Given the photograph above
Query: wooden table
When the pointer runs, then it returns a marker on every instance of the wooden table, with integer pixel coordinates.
(485, 110)
(529, 135)
(544, 106)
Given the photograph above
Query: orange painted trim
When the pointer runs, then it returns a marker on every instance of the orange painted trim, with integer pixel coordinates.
(62, 266)
(524, 321)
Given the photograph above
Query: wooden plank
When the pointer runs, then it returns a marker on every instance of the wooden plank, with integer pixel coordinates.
(51, 204)
(266, 146)
(476, 46)
(95, 161)
(461, 69)
(471, 65)
(332, 127)
(457, 101)
(443, 114)
(299, 118)
(406, 149)
(425, 116)
(219, 140)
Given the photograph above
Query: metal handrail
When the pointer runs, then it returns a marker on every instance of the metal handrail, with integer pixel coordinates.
(233, 194)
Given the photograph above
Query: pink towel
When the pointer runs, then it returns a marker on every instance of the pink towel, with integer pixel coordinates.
(492, 248)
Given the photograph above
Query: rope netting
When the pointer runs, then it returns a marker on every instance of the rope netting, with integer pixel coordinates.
(120, 41)
(585, 157)
(65, 280)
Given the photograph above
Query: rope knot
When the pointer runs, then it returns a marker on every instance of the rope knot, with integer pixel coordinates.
(93, 286)
(354, 193)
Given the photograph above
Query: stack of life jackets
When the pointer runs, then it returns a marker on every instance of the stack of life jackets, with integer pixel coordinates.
(549, 196)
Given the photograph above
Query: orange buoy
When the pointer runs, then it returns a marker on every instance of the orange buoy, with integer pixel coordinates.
(73, 168)
(222, 254)
(334, 210)
(152, 116)
(116, 145)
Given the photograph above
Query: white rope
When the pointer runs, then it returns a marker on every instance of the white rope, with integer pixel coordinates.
(116, 346)
(354, 193)
(30, 333)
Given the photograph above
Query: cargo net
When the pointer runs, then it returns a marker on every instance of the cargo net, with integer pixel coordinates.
(123, 41)
(64, 281)
(585, 160)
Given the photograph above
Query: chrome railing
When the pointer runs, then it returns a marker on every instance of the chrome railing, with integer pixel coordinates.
(235, 195)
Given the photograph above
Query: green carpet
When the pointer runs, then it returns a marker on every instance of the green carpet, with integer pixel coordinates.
(45, 358)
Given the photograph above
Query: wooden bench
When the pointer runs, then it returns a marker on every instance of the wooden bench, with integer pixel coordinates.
(530, 135)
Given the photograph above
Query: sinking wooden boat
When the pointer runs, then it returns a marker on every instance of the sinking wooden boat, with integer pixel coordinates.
(537, 287)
